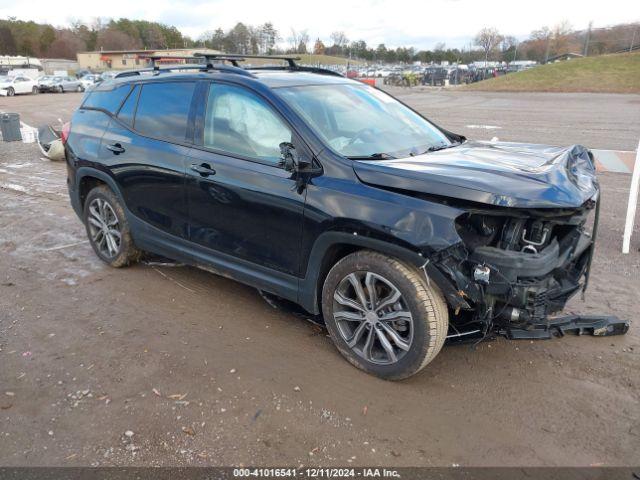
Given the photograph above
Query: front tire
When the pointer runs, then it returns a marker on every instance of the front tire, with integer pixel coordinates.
(108, 229)
(10, 92)
(383, 316)
(35, 90)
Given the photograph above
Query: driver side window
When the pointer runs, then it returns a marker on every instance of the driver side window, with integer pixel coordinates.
(239, 122)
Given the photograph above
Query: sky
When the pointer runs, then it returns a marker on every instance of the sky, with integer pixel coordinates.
(418, 23)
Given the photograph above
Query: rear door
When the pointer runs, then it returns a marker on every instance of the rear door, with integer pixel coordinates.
(145, 149)
(241, 201)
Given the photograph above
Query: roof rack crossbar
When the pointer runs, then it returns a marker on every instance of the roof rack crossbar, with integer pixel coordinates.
(219, 67)
(156, 58)
(234, 59)
(298, 68)
(238, 57)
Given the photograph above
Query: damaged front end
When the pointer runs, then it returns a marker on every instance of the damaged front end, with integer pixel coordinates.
(516, 268)
(526, 228)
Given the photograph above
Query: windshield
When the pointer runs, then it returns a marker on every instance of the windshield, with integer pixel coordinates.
(359, 121)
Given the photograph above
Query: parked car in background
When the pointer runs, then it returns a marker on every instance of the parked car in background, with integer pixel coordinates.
(107, 75)
(82, 73)
(60, 84)
(89, 81)
(9, 86)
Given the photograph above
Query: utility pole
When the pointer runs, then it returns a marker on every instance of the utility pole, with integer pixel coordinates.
(515, 52)
(546, 53)
(633, 39)
(586, 40)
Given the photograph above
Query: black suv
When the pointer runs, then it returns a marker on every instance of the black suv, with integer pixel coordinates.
(334, 195)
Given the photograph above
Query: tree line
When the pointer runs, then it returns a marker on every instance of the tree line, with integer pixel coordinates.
(18, 37)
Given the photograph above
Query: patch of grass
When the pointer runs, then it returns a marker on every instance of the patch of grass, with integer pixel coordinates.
(326, 60)
(619, 73)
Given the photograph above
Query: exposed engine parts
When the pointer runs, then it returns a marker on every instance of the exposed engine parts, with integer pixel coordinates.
(516, 268)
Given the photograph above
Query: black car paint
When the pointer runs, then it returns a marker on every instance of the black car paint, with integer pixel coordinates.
(497, 173)
(253, 223)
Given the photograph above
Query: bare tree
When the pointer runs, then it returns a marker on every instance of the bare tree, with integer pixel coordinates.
(487, 39)
(303, 40)
(293, 40)
(339, 39)
(298, 41)
(561, 39)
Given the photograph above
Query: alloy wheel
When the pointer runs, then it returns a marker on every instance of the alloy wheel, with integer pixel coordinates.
(104, 228)
(373, 318)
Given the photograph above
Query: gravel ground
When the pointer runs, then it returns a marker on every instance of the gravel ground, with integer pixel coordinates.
(159, 365)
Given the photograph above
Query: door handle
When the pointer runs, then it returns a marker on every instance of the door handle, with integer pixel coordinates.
(204, 169)
(116, 148)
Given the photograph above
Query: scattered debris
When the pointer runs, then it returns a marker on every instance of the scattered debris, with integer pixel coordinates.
(156, 392)
(128, 434)
(177, 396)
(296, 388)
(189, 431)
(233, 370)
(365, 410)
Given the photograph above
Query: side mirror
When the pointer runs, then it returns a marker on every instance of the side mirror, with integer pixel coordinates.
(291, 160)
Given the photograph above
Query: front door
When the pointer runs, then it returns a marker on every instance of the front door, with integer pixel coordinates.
(241, 201)
(22, 85)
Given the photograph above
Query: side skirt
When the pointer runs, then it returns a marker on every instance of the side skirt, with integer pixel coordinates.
(154, 240)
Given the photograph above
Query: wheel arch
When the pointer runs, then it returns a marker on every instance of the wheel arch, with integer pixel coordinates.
(89, 178)
(330, 247)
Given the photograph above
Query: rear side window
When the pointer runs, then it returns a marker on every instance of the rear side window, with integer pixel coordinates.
(163, 110)
(108, 100)
(129, 107)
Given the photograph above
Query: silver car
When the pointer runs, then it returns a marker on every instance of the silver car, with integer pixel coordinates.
(62, 84)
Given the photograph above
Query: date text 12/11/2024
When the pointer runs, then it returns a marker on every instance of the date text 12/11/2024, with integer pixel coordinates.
(316, 473)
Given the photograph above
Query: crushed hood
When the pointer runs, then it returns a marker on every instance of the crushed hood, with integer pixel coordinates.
(497, 173)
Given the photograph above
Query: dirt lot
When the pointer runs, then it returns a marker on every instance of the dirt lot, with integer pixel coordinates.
(199, 370)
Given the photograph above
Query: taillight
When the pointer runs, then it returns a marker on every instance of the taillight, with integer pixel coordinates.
(66, 129)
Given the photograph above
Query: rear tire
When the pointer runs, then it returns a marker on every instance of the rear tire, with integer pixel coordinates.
(35, 90)
(400, 328)
(108, 229)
